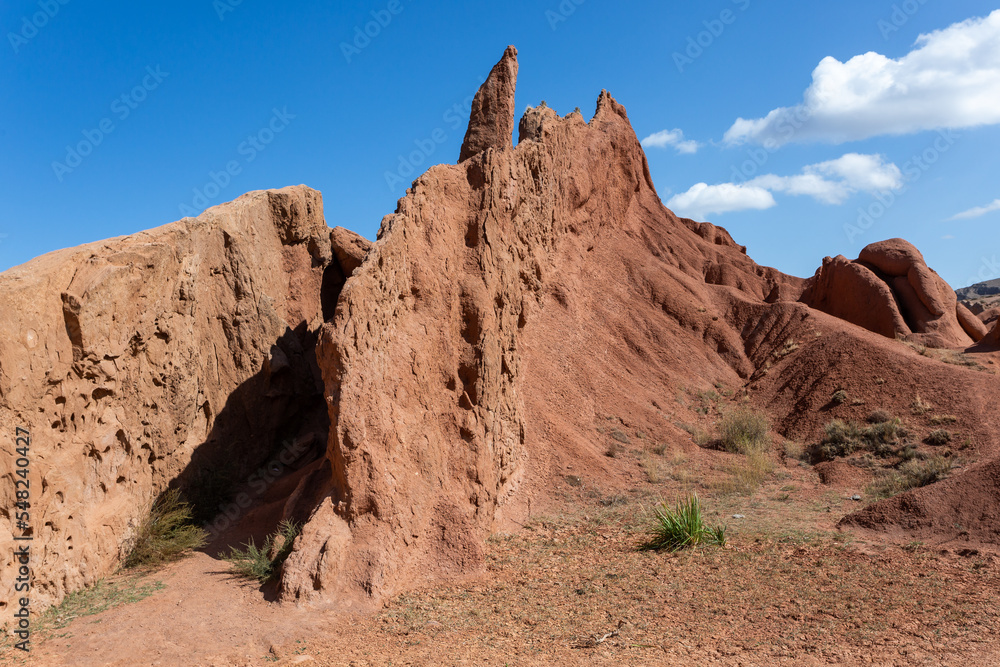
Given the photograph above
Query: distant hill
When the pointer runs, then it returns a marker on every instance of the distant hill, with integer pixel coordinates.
(981, 296)
(979, 290)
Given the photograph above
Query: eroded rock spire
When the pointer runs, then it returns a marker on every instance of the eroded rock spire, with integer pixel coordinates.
(491, 122)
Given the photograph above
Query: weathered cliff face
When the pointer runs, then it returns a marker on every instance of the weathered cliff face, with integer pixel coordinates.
(180, 354)
(890, 290)
(485, 319)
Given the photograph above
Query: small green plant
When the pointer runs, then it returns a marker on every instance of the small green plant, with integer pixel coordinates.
(682, 527)
(839, 397)
(743, 431)
(938, 437)
(165, 534)
(264, 562)
(912, 474)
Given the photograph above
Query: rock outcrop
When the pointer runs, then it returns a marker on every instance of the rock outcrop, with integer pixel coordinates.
(178, 355)
(890, 290)
(988, 316)
(491, 123)
(488, 325)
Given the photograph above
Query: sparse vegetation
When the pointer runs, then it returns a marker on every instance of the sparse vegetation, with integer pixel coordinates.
(613, 450)
(747, 474)
(708, 400)
(700, 436)
(728, 393)
(938, 437)
(165, 534)
(919, 407)
(264, 562)
(651, 467)
(744, 431)
(620, 436)
(879, 417)
(789, 347)
(938, 420)
(845, 438)
(682, 527)
(911, 474)
(794, 450)
(839, 397)
(105, 594)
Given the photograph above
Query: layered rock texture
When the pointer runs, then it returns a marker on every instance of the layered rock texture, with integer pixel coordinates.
(889, 289)
(429, 389)
(179, 355)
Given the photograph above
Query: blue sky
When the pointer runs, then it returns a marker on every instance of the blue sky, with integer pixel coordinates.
(126, 115)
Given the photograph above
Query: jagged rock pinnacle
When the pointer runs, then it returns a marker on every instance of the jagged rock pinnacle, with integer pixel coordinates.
(491, 122)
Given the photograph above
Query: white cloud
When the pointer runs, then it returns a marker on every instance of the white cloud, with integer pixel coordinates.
(951, 79)
(668, 138)
(977, 211)
(853, 172)
(831, 182)
(702, 200)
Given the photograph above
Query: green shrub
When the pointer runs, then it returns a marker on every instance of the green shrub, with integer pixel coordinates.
(682, 527)
(743, 431)
(844, 438)
(912, 474)
(165, 534)
(264, 562)
(839, 396)
(938, 437)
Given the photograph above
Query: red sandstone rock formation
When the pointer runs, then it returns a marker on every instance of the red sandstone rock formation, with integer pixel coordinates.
(491, 123)
(510, 303)
(989, 316)
(890, 290)
(180, 354)
(496, 303)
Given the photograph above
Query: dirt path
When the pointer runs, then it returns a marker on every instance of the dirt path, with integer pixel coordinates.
(202, 616)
